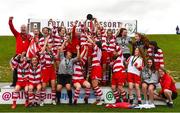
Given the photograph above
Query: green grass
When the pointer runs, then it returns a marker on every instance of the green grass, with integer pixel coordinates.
(7, 49)
(87, 108)
(170, 45)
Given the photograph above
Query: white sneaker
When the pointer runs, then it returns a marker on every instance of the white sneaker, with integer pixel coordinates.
(100, 103)
(53, 102)
(140, 106)
(152, 106)
(42, 104)
(146, 106)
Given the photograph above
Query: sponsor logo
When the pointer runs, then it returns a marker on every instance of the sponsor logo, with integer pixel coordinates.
(6, 96)
(109, 96)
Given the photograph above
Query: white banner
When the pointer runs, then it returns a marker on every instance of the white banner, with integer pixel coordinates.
(130, 25)
(6, 93)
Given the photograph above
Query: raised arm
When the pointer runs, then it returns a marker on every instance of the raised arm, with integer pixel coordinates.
(11, 26)
(78, 51)
(90, 40)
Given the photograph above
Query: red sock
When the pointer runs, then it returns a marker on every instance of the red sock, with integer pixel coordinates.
(31, 97)
(43, 95)
(53, 94)
(87, 92)
(76, 94)
(37, 96)
(116, 94)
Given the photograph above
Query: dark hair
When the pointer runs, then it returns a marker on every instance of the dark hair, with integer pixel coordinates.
(144, 39)
(60, 28)
(40, 34)
(154, 43)
(153, 68)
(120, 32)
(49, 30)
(99, 44)
(109, 30)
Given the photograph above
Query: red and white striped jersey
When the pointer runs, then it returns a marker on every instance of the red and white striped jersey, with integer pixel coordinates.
(78, 71)
(108, 45)
(117, 64)
(54, 31)
(58, 40)
(98, 38)
(49, 58)
(78, 68)
(42, 41)
(83, 39)
(158, 57)
(33, 48)
(35, 74)
(96, 56)
(22, 69)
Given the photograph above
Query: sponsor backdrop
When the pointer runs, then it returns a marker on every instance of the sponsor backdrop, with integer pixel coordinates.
(130, 25)
(6, 96)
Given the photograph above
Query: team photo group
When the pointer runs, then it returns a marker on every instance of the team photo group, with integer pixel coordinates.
(88, 58)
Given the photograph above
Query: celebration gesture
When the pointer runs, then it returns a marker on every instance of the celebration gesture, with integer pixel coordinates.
(77, 47)
(11, 18)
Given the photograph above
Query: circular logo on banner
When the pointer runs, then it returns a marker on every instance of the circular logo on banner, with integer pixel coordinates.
(6, 96)
(109, 96)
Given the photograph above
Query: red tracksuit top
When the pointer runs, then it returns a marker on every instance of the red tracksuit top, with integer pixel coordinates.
(167, 83)
(20, 44)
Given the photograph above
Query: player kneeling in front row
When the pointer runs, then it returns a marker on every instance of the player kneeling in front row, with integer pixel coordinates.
(20, 63)
(35, 80)
(118, 76)
(78, 77)
(168, 91)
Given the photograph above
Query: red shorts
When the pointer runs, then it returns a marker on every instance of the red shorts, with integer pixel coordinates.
(48, 74)
(118, 78)
(34, 85)
(78, 81)
(22, 84)
(105, 57)
(134, 78)
(96, 72)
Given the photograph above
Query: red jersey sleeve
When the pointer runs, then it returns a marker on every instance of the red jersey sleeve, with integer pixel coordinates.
(13, 30)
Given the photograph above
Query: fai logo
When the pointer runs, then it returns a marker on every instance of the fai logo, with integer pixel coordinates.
(35, 25)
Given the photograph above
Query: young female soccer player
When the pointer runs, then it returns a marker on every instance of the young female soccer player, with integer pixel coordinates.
(48, 72)
(35, 69)
(124, 41)
(65, 72)
(168, 91)
(156, 53)
(135, 65)
(78, 78)
(20, 63)
(118, 76)
(149, 79)
(96, 72)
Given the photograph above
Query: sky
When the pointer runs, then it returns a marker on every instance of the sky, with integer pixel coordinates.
(153, 16)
